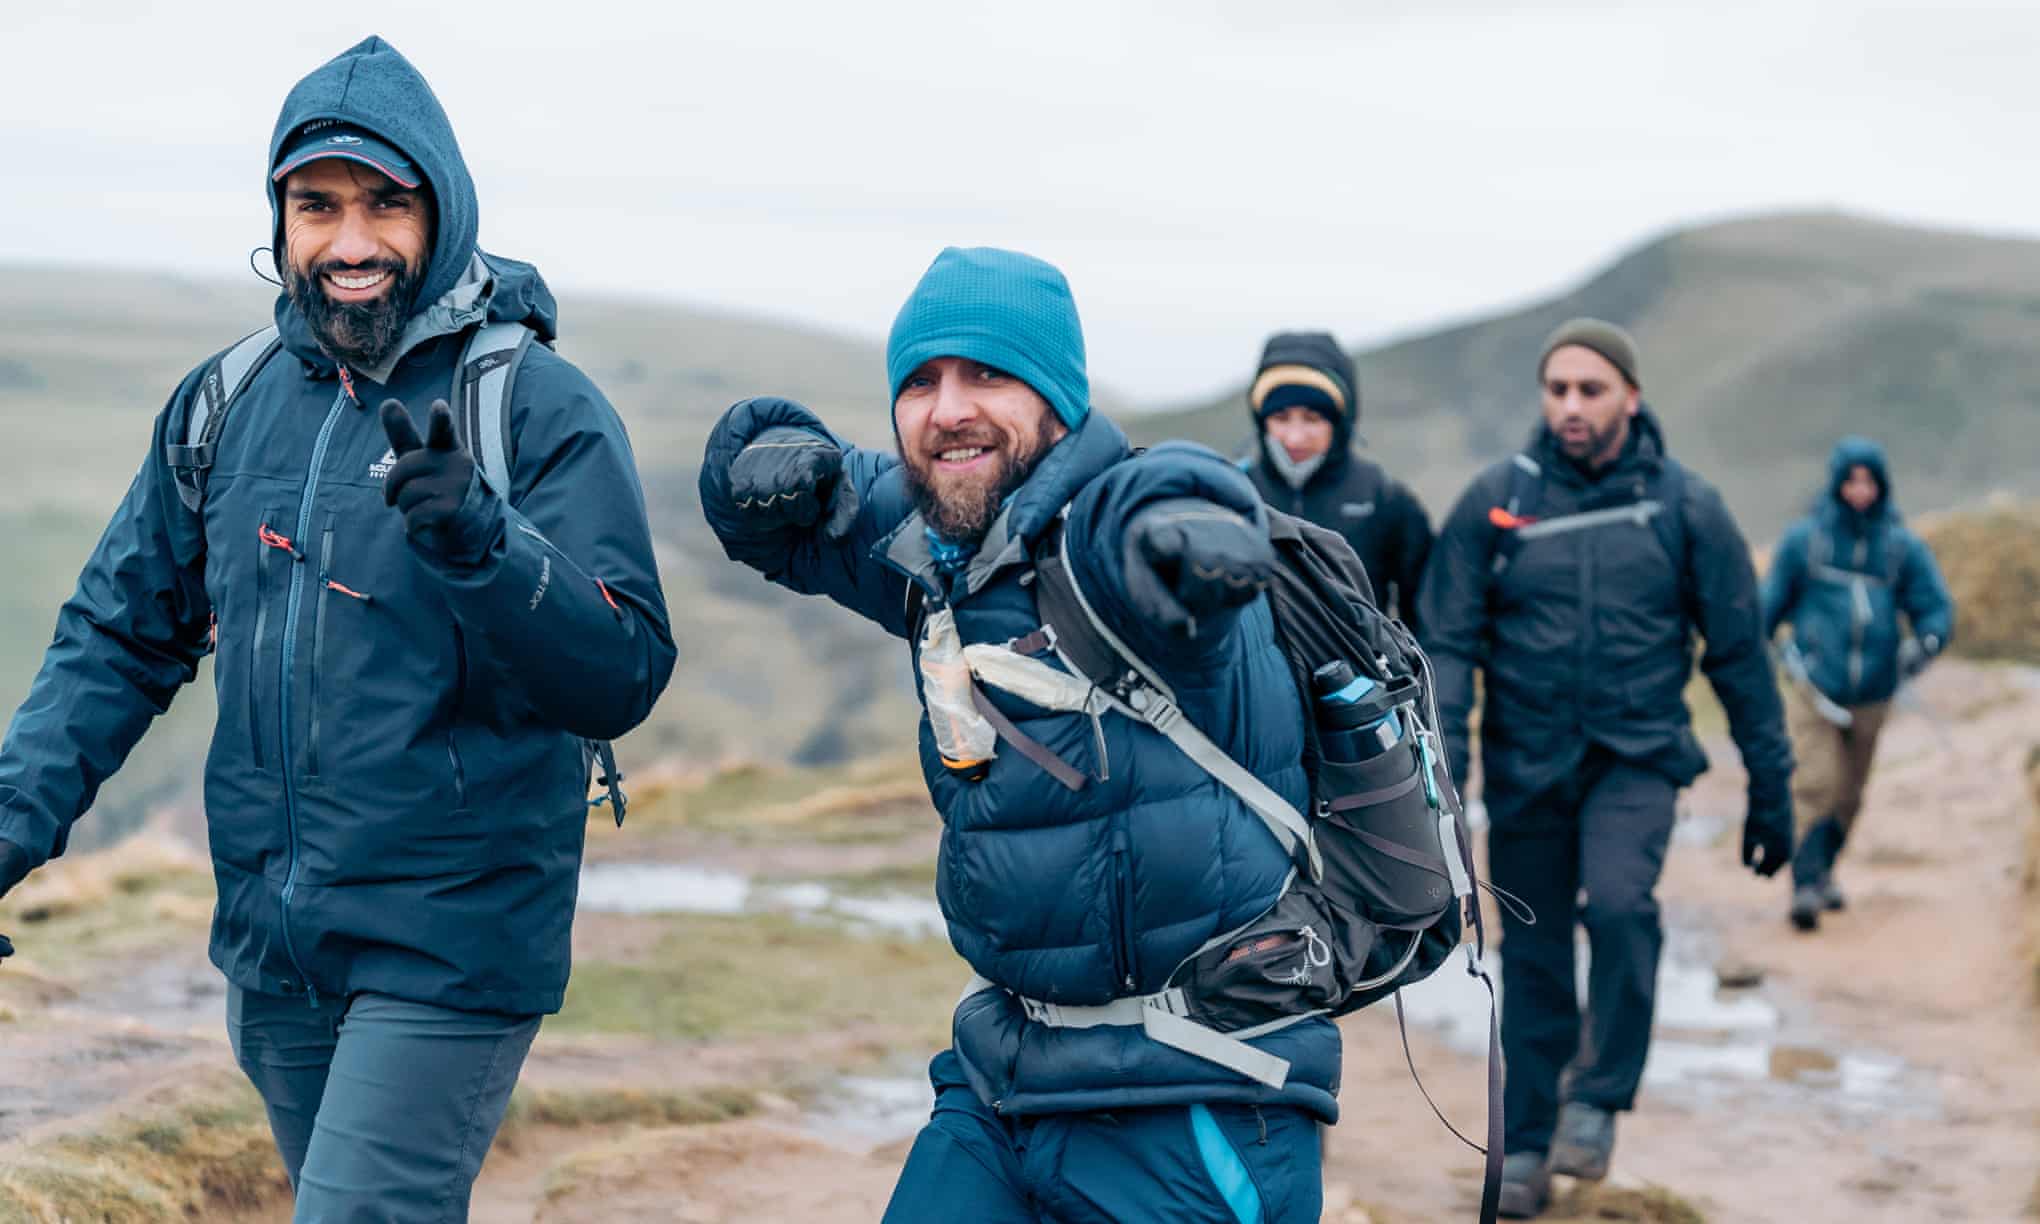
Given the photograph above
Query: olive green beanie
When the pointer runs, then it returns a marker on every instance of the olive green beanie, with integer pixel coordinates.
(1606, 339)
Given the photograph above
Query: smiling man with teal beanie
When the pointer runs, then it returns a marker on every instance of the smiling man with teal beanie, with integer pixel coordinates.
(1004, 309)
(1082, 860)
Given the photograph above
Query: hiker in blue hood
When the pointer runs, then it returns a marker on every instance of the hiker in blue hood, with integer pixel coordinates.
(1842, 577)
(1084, 857)
(413, 658)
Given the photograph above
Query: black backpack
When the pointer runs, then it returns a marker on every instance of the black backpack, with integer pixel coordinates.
(1384, 860)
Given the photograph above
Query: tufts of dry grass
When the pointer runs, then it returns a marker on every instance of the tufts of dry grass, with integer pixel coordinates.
(197, 1153)
(873, 800)
(76, 884)
(1647, 1204)
(1991, 559)
(549, 1107)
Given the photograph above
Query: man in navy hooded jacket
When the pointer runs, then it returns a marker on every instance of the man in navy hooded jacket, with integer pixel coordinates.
(1066, 886)
(409, 662)
(1843, 576)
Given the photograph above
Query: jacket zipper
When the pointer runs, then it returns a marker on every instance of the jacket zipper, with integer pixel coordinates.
(1122, 891)
(459, 696)
(318, 647)
(291, 607)
(1859, 622)
(255, 648)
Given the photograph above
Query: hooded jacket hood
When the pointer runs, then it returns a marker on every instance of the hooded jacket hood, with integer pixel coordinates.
(1850, 452)
(1317, 351)
(371, 85)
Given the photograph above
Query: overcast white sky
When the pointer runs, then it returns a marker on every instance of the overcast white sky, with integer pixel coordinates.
(1205, 172)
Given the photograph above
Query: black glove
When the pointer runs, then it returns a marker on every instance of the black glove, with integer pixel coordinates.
(13, 869)
(430, 478)
(13, 865)
(787, 477)
(1188, 557)
(1767, 836)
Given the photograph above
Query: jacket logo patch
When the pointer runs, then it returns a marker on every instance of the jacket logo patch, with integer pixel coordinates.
(381, 467)
(1357, 509)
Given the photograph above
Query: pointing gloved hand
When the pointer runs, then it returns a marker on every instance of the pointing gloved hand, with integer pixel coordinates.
(789, 477)
(1767, 835)
(1187, 557)
(430, 479)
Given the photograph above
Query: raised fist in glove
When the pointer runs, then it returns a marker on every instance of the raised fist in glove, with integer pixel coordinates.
(1188, 558)
(789, 477)
(1767, 835)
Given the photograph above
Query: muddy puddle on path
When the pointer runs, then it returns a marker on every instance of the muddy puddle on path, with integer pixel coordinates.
(1709, 1041)
(858, 1113)
(676, 888)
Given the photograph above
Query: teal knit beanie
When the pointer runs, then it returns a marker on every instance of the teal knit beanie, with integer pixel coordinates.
(1001, 308)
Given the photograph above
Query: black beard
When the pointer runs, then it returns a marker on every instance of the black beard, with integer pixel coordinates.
(362, 334)
(965, 515)
(1600, 448)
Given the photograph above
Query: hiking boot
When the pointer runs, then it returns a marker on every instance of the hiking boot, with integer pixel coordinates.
(1807, 902)
(1584, 1142)
(1831, 897)
(1526, 1186)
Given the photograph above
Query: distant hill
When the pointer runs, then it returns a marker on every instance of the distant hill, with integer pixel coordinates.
(88, 357)
(1762, 340)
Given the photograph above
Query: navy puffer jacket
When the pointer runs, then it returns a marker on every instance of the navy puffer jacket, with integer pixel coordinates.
(1075, 897)
(396, 791)
(1842, 577)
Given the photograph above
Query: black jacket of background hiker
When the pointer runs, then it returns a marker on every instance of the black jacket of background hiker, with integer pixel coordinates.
(1380, 518)
(1586, 637)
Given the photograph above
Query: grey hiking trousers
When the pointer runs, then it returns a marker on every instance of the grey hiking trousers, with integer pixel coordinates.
(382, 1109)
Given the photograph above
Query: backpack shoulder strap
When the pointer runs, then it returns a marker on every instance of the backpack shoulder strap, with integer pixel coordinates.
(1092, 650)
(225, 375)
(1670, 522)
(1518, 509)
(481, 392)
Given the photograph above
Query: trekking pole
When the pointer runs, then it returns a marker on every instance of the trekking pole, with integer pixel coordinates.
(1795, 669)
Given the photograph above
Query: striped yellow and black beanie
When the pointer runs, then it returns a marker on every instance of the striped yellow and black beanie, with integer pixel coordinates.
(1305, 370)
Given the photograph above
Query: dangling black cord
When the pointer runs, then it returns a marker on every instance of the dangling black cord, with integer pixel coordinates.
(252, 266)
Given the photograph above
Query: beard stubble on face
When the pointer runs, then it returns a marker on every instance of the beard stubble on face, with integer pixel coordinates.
(961, 509)
(1599, 447)
(359, 333)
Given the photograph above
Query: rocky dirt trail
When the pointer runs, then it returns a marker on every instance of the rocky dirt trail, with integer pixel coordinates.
(1886, 1068)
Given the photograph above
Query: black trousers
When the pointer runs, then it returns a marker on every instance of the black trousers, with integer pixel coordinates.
(1588, 850)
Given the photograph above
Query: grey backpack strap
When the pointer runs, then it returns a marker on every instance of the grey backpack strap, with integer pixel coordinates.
(481, 392)
(191, 461)
(1090, 649)
(481, 395)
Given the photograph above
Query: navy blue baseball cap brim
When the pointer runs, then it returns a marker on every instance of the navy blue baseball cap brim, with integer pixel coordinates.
(327, 138)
